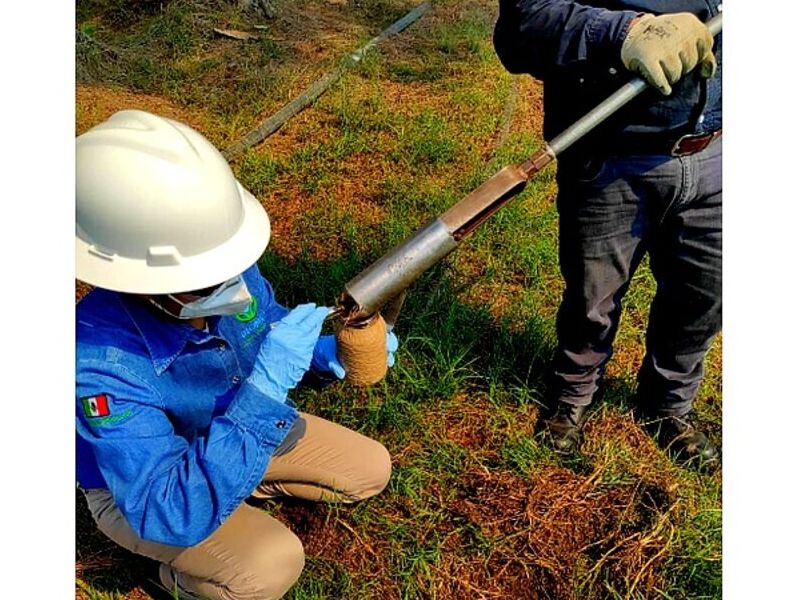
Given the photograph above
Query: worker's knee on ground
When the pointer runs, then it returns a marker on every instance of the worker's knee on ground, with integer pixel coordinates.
(375, 469)
(278, 574)
(270, 570)
(262, 562)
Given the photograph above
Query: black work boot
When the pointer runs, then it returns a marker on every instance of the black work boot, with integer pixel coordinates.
(564, 424)
(681, 439)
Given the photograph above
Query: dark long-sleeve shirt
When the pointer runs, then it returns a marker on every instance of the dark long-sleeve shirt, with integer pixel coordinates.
(574, 49)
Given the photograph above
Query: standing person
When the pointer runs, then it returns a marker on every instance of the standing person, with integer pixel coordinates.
(649, 180)
(185, 360)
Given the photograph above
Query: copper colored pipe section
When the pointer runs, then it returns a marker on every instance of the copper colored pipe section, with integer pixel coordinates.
(470, 212)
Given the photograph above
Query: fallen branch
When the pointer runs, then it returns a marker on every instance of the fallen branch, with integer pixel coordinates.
(273, 123)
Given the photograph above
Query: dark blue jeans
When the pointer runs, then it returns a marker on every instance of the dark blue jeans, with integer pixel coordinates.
(612, 211)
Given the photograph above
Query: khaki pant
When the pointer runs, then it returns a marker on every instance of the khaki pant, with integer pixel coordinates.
(253, 555)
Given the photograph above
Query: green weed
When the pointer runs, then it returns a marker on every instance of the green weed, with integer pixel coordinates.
(426, 142)
(270, 50)
(258, 173)
(524, 452)
(471, 36)
(117, 13)
(695, 568)
(409, 72)
(173, 31)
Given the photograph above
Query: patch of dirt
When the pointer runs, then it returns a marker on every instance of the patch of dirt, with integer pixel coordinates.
(497, 297)
(94, 104)
(644, 458)
(464, 426)
(626, 359)
(290, 207)
(529, 113)
(326, 533)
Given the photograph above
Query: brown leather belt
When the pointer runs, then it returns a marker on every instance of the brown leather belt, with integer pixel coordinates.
(684, 145)
(693, 143)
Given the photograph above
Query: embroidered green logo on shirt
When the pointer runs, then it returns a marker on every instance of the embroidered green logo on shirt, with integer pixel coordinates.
(249, 313)
(111, 419)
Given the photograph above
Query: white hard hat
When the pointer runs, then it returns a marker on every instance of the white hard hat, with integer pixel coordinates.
(158, 210)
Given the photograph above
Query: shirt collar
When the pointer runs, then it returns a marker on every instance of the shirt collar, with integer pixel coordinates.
(165, 338)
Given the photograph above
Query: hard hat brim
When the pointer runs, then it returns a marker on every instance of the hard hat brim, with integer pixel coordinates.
(203, 270)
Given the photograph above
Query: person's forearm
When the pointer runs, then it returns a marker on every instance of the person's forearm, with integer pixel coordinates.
(540, 36)
(176, 489)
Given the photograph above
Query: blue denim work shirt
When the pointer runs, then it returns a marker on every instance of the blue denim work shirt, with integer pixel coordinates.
(166, 417)
(574, 49)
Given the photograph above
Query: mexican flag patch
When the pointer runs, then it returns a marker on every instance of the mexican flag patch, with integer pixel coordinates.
(95, 406)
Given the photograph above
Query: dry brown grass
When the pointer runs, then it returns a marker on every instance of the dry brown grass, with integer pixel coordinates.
(546, 531)
(94, 104)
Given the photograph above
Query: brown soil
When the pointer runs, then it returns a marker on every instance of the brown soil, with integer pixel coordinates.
(94, 104)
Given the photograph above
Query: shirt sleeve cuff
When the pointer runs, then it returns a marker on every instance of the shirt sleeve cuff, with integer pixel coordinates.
(249, 411)
(608, 29)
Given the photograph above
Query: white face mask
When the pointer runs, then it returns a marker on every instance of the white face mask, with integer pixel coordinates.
(230, 298)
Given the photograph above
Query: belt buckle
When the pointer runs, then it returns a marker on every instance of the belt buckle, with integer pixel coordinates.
(696, 143)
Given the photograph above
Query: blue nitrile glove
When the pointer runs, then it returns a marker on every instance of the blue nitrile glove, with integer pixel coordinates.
(285, 354)
(391, 346)
(326, 359)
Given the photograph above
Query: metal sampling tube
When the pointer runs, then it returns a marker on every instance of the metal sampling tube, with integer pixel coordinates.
(396, 270)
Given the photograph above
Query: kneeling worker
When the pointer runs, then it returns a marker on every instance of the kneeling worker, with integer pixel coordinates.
(184, 364)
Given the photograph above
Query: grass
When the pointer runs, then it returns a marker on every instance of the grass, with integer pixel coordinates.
(328, 580)
(478, 506)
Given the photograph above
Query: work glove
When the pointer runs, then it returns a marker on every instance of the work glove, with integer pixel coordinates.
(663, 48)
(286, 352)
(326, 359)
